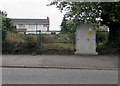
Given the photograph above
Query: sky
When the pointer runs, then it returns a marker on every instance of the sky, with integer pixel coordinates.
(33, 9)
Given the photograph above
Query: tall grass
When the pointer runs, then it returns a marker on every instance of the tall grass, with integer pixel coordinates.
(13, 37)
(26, 43)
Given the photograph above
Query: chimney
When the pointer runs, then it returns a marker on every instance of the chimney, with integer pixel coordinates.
(48, 24)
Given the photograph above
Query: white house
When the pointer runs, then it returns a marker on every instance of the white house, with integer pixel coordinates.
(31, 26)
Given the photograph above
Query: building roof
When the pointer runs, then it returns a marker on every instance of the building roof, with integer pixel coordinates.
(30, 21)
(22, 29)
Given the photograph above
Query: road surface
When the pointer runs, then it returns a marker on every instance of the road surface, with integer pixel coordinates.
(58, 76)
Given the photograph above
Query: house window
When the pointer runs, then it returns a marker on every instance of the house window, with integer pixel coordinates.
(21, 26)
(32, 26)
(44, 25)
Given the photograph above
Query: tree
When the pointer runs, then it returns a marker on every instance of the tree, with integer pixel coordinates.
(111, 17)
(101, 35)
(94, 12)
(4, 14)
(80, 11)
(6, 25)
(64, 25)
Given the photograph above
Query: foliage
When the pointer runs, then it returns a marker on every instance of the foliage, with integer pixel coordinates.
(80, 11)
(30, 38)
(94, 12)
(88, 12)
(3, 13)
(17, 43)
(64, 27)
(13, 37)
(111, 17)
(61, 37)
(65, 37)
(6, 25)
(108, 49)
(57, 43)
(47, 38)
(19, 47)
(68, 25)
(101, 35)
(110, 12)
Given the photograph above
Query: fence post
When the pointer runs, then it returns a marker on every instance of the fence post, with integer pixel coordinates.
(39, 42)
(0, 34)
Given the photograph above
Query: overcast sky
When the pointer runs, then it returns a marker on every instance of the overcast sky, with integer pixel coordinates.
(32, 9)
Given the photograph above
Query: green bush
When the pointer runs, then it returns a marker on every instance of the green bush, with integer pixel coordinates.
(19, 48)
(66, 37)
(107, 49)
(101, 36)
(46, 38)
(17, 43)
(62, 38)
(30, 38)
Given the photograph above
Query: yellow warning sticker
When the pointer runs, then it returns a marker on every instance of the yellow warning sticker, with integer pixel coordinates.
(90, 33)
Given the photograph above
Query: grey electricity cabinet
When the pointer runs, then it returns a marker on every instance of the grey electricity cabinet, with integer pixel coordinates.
(85, 40)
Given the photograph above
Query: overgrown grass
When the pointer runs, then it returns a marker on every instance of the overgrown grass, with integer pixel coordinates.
(13, 37)
(17, 43)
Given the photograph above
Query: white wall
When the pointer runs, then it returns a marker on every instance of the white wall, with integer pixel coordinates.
(37, 27)
(41, 27)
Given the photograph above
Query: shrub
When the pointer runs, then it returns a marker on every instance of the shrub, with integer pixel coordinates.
(20, 43)
(66, 37)
(62, 38)
(101, 36)
(17, 43)
(30, 38)
(106, 48)
(47, 38)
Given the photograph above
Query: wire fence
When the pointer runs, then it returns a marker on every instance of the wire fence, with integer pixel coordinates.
(50, 42)
(37, 42)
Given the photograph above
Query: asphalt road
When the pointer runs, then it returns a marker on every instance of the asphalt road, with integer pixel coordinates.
(58, 76)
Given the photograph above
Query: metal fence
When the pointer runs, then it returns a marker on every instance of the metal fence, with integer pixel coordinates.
(37, 42)
(50, 42)
(104, 47)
